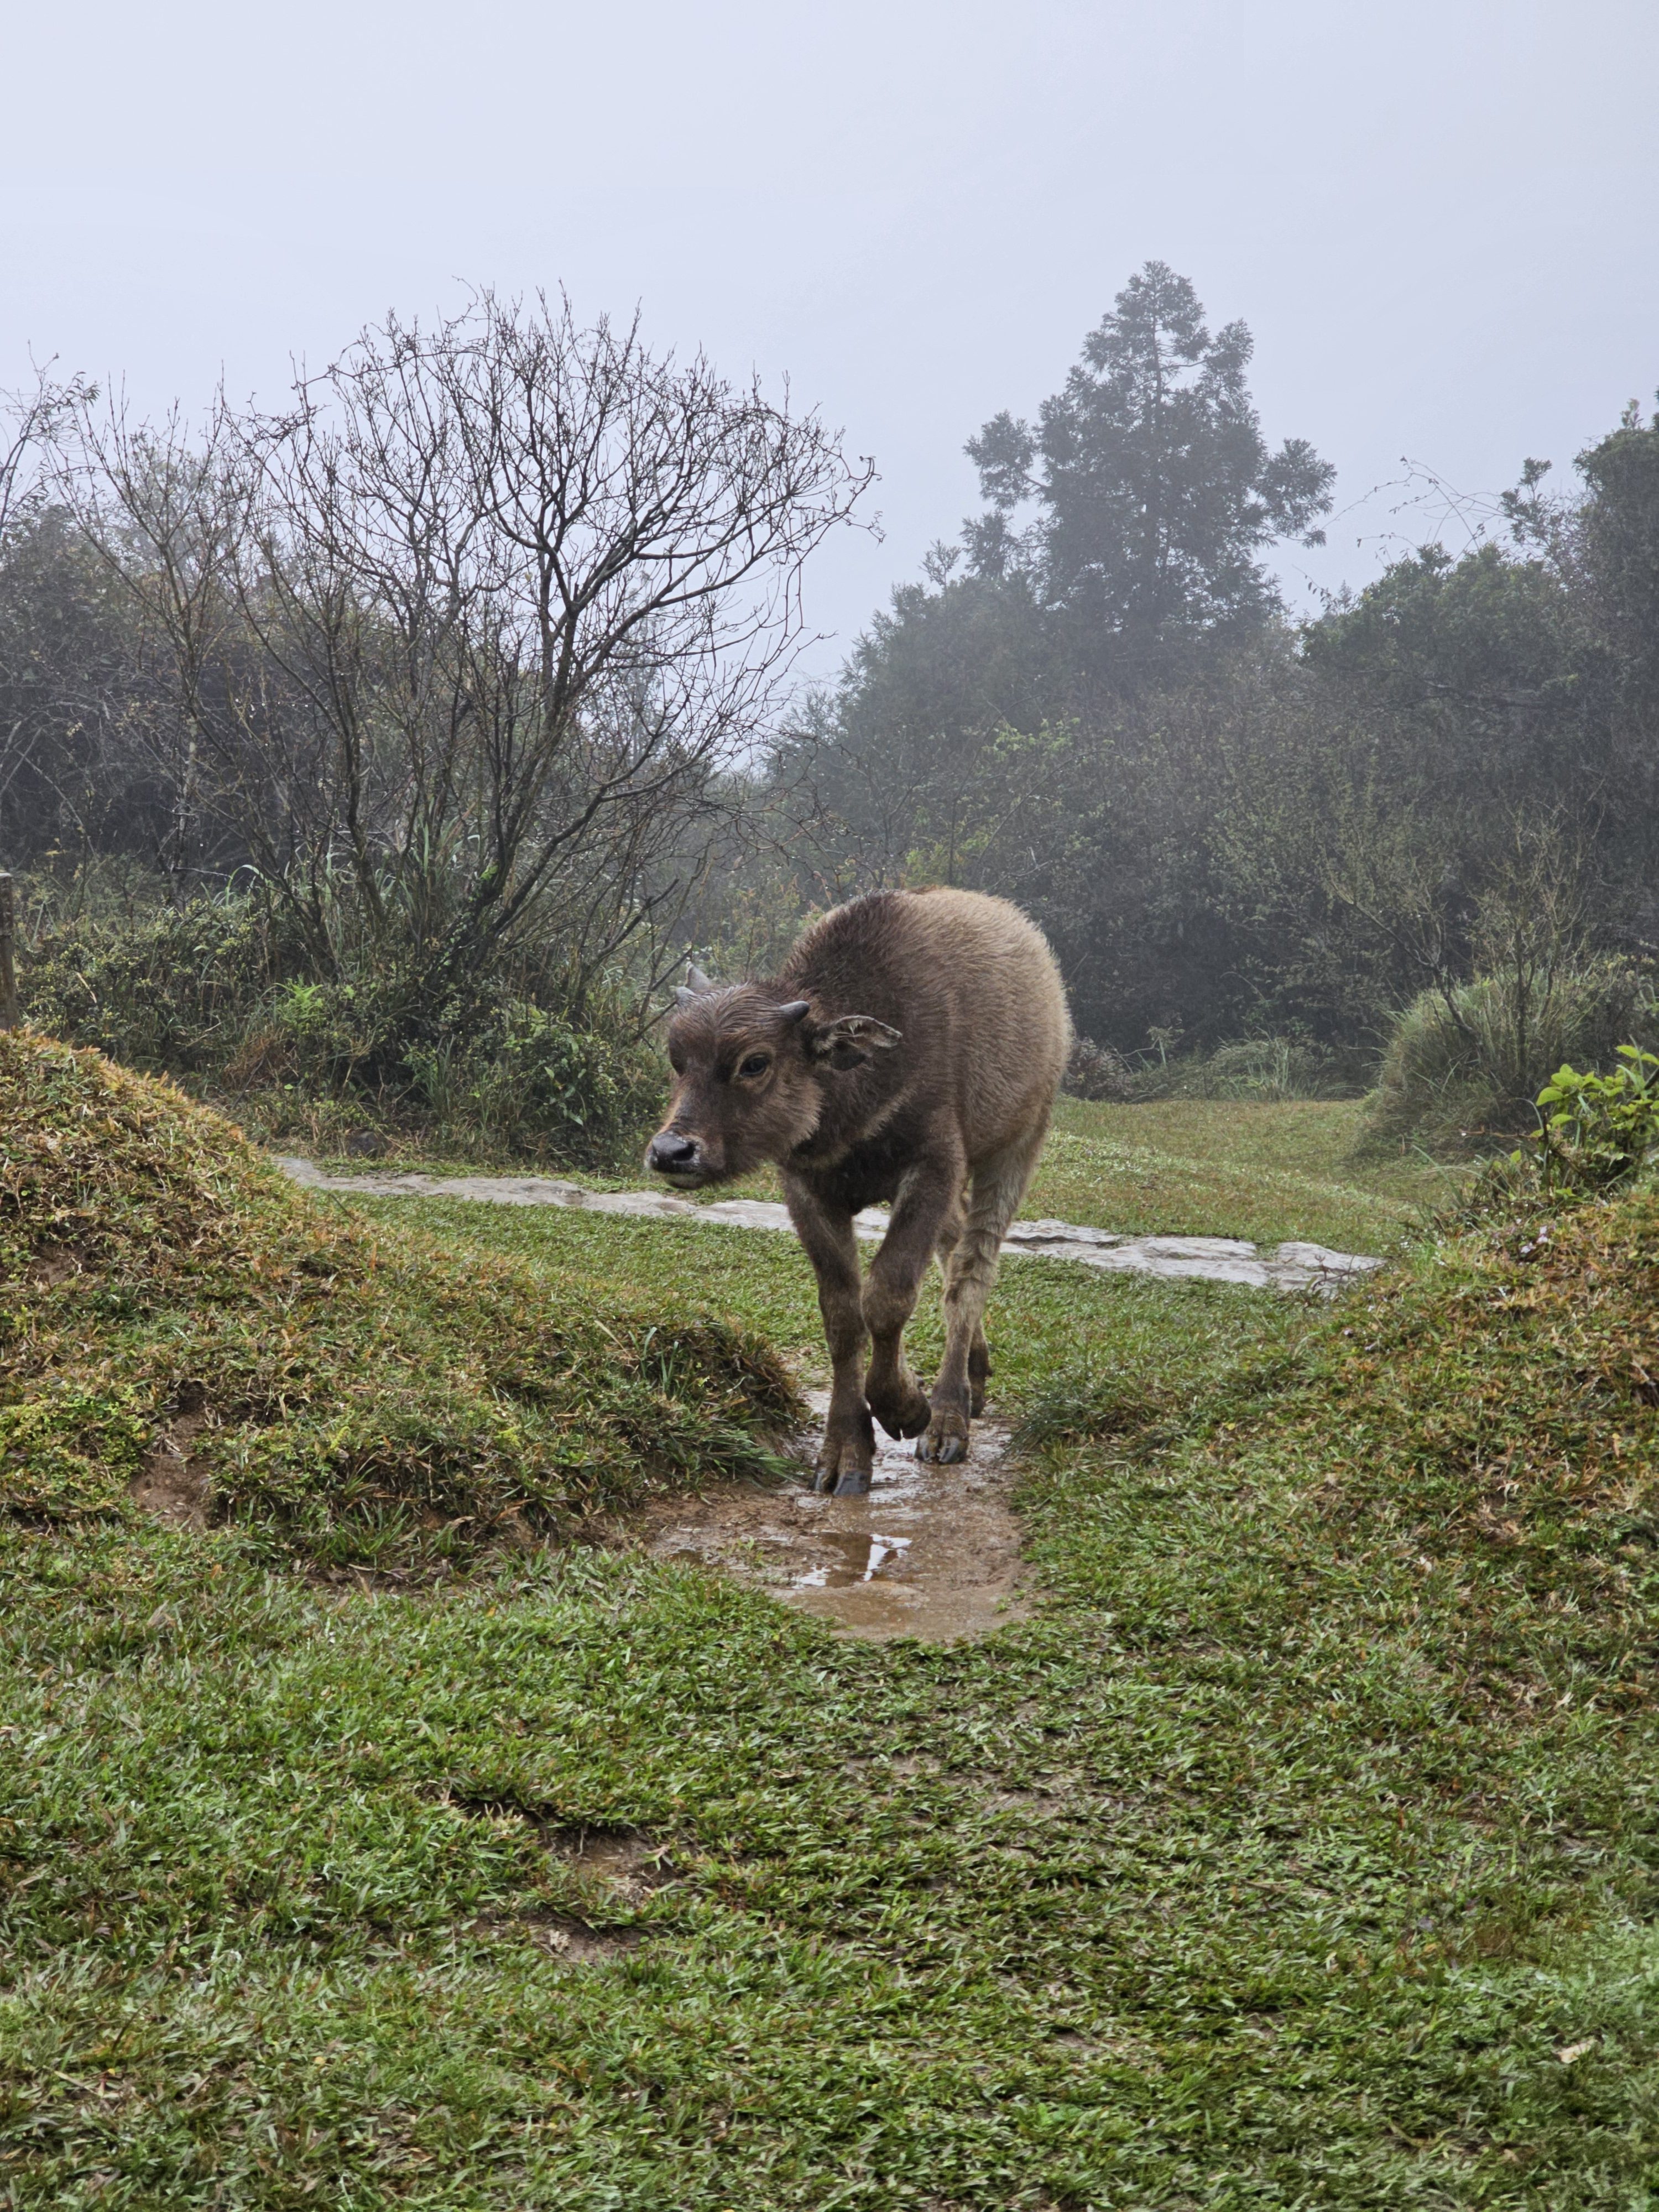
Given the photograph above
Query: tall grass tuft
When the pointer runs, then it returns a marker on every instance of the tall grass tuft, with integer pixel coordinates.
(1465, 1065)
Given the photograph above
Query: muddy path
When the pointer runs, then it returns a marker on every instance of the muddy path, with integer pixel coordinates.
(932, 1552)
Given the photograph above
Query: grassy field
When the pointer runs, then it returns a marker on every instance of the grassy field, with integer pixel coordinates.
(1216, 1167)
(1299, 1851)
(1194, 1168)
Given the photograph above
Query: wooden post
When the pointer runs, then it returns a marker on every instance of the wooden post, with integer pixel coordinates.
(11, 1013)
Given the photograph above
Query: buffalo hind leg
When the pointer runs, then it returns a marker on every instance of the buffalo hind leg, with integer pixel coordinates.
(922, 1218)
(979, 1352)
(999, 1186)
(848, 1450)
(979, 1371)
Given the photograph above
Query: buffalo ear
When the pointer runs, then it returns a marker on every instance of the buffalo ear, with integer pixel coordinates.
(850, 1040)
(695, 985)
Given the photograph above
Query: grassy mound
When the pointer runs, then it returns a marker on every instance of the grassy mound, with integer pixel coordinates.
(1493, 1417)
(173, 1313)
(1475, 1434)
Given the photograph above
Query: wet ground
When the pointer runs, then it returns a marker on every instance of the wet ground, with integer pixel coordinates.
(1293, 1266)
(933, 1551)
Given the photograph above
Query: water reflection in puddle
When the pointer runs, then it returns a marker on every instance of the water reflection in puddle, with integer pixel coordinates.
(863, 1560)
(931, 1553)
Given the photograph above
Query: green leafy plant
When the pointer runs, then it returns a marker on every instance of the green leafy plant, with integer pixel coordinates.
(1604, 1129)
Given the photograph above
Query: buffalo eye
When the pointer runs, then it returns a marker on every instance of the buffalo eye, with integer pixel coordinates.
(757, 1064)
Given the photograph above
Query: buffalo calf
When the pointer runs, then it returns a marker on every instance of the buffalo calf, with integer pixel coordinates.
(910, 1052)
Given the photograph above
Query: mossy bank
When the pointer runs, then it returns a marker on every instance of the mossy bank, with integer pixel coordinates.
(358, 1398)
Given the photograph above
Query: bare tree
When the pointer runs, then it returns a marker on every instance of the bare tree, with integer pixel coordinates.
(460, 638)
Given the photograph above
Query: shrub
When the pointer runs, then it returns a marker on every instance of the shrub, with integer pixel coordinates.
(1275, 1068)
(217, 993)
(1465, 1065)
(1097, 1071)
(169, 990)
(1605, 1128)
(528, 1082)
(1263, 1069)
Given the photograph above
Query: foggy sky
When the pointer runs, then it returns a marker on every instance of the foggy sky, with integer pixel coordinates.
(1438, 220)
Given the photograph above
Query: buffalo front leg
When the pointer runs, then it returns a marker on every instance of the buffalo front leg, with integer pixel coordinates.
(848, 1450)
(959, 1393)
(925, 1212)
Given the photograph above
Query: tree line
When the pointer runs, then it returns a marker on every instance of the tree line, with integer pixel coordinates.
(455, 687)
(1227, 821)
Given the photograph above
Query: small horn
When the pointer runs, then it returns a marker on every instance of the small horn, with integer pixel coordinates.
(696, 978)
(796, 1011)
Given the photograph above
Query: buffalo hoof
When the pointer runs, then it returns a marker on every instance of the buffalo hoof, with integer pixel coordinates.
(904, 1414)
(946, 1440)
(842, 1482)
(847, 1455)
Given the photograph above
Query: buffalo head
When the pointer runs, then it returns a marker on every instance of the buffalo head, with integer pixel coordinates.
(749, 1076)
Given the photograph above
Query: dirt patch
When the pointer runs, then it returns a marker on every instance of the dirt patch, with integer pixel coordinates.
(619, 1866)
(53, 1264)
(172, 1485)
(933, 1551)
(630, 1866)
(562, 1936)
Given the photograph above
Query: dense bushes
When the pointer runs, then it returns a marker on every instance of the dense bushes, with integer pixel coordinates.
(1468, 1062)
(167, 988)
(216, 992)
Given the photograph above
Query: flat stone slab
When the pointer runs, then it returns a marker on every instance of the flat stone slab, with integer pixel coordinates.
(1290, 1266)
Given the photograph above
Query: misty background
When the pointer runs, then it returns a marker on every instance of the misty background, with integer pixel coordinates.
(1437, 220)
(492, 505)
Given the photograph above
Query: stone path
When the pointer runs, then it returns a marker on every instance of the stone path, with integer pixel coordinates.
(1292, 1266)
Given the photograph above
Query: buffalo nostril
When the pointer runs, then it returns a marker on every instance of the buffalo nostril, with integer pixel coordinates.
(668, 1152)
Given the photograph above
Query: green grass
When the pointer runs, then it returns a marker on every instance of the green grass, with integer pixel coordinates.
(365, 1402)
(1224, 1167)
(1203, 1167)
(1047, 1316)
(1300, 1851)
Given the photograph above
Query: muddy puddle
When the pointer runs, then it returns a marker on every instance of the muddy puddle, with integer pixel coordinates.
(933, 1551)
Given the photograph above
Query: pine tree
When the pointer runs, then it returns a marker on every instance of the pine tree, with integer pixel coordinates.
(1157, 492)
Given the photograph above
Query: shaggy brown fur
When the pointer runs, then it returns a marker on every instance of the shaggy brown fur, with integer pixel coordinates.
(910, 1051)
